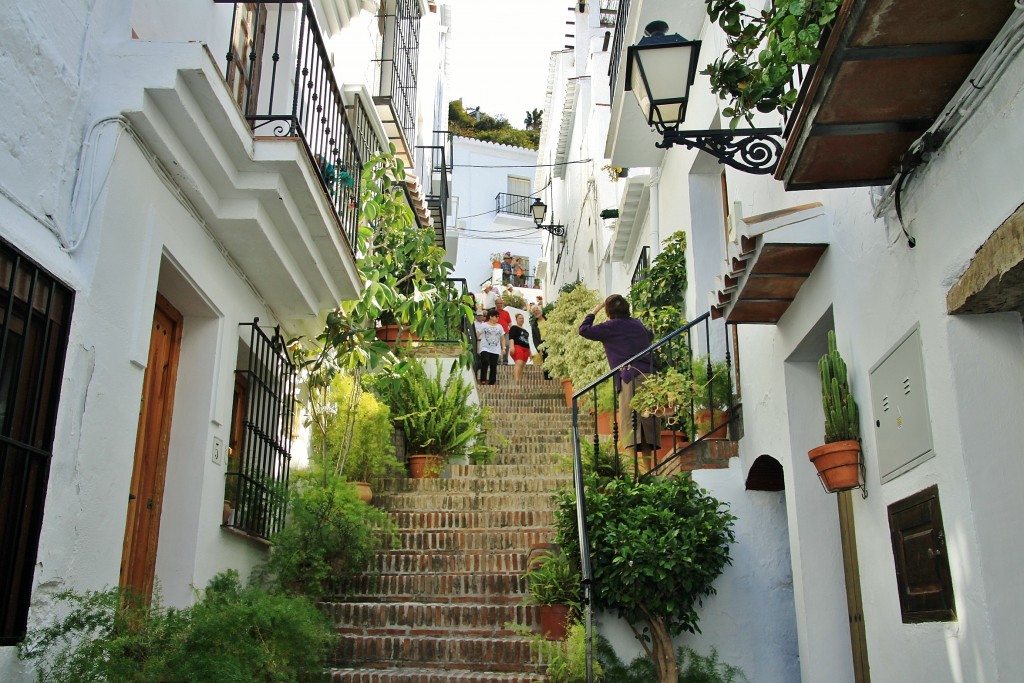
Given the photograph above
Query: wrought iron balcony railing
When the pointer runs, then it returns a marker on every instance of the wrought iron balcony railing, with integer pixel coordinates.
(621, 17)
(642, 264)
(279, 72)
(515, 204)
(434, 164)
(398, 62)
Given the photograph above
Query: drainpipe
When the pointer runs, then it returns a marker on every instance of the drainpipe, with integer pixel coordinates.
(654, 213)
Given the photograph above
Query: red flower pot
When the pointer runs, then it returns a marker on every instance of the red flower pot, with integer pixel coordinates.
(425, 466)
(553, 621)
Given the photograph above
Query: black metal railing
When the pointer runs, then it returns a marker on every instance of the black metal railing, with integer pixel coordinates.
(515, 204)
(399, 60)
(679, 432)
(35, 317)
(280, 73)
(609, 12)
(642, 264)
(434, 164)
(256, 483)
(621, 18)
(368, 144)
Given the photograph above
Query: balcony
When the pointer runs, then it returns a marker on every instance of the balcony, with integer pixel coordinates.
(257, 144)
(397, 66)
(513, 204)
(888, 72)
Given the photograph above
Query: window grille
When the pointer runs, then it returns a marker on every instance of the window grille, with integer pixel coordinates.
(256, 483)
(35, 314)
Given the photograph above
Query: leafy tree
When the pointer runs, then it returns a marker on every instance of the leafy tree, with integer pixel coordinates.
(479, 125)
(658, 300)
(656, 547)
(405, 281)
(534, 120)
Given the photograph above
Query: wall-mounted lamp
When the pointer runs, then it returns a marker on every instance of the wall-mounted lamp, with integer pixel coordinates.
(539, 209)
(660, 70)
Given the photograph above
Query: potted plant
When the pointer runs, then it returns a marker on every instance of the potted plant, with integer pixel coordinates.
(712, 396)
(838, 460)
(554, 587)
(437, 417)
(571, 358)
(755, 74)
(658, 299)
(352, 435)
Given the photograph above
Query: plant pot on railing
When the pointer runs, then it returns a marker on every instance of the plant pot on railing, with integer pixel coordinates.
(703, 418)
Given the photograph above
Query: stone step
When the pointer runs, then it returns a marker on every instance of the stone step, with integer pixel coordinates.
(447, 561)
(509, 484)
(531, 453)
(495, 519)
(506, 654)
(429, 619)
(464, 502)
(462, 539)
(418, 675)
(507, 465)
(438, 588)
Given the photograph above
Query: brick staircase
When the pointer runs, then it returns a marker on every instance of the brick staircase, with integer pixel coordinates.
(442, 606)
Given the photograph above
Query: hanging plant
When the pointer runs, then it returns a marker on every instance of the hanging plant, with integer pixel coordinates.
(755, 73)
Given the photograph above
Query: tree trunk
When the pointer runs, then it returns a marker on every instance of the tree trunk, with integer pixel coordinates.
(663, 653)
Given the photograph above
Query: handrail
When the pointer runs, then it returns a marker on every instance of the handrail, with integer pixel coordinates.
(664, 347)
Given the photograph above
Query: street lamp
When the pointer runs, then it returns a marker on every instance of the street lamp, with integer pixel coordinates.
(539, 209)
(660, 70)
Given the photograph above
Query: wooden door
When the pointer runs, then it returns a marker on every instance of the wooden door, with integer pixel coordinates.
(145, 497)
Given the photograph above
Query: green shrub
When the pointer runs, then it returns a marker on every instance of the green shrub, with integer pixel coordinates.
(567, 659)
(331, 536)
(693, 668)
(352, 434)
(231, 635)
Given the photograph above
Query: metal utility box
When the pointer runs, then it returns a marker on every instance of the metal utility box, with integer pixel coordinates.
(899, 402)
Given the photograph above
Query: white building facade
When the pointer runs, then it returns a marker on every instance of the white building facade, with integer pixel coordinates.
(179, 190)
(493, 190)
(916, 270)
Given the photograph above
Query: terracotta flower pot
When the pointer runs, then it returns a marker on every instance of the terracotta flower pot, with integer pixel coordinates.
(567, 388)
(364, 490)
(604, 423)
(667, 446)
(553, 620)
(425, 466)
(703, 418)
(838, 465)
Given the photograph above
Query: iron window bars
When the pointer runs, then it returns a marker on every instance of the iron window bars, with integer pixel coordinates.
(256, 483)
(36, 313)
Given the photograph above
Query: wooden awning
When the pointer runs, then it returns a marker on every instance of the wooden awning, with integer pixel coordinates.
(763, 279)
(888, 70)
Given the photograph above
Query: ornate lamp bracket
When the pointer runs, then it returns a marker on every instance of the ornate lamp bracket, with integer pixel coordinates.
(754, 150)
(556, 230)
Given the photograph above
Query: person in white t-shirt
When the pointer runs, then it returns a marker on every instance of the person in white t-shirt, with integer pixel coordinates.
(492, 347)
(489, 297)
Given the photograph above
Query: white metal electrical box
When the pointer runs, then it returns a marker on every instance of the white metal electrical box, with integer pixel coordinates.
(899, 402)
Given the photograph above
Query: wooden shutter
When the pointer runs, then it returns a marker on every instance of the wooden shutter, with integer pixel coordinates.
(922, 566)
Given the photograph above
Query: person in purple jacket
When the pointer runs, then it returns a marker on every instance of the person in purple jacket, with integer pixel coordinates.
(624, 337)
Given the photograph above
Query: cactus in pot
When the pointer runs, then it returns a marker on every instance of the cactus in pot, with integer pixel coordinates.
(838, 461)
(841, 419)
